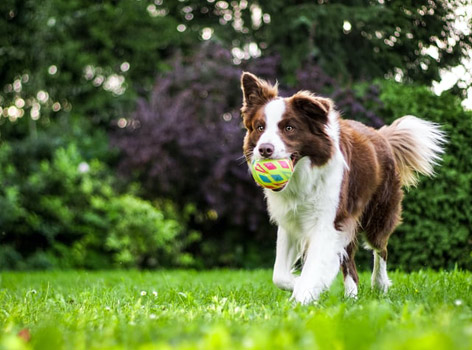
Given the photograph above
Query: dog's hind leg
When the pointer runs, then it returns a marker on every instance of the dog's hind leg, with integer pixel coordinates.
(379, 273)
(348, 266)
(380, 219)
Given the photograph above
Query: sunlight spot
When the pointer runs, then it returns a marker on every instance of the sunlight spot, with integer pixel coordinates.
(124, 67)
(19, 102)
(13, 112)
(347, 27)
(207, 33)
(52, 69)
(35, 111)
(98, 80)
(17, 86)
(151, 9)
(114, 83)
(222, 5)
(89, 72)
(266, 18)
(256, 16)
(432, 51)
(83, 168)
(122, 123)
(42, 96)
(56, 107)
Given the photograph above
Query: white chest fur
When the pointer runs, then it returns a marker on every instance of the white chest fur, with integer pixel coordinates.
(310, 199)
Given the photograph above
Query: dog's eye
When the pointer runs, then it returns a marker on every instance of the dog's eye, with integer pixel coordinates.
(260, 128)
(289, 128)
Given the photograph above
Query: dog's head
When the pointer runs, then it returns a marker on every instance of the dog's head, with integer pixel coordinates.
(294, 127)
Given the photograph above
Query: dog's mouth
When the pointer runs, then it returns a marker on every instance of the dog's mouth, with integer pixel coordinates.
(295, 156)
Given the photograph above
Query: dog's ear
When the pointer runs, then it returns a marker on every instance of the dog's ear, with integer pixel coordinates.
(256, 92)
(311, 106)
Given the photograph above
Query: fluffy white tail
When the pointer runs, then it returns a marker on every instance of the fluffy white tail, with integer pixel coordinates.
(417, 146)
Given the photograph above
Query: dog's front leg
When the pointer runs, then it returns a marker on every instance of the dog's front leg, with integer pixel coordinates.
(286, 256)
(322, 262)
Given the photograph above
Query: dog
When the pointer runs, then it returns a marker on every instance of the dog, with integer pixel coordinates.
(347, 180)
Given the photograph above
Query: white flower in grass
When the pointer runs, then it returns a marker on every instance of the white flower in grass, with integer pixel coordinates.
(152, 316)
(143, 293)
(458, 302)
(154, 293)
(32, 291)
(107, 308)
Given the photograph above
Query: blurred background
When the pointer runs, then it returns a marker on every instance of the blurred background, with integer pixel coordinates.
(121, 138)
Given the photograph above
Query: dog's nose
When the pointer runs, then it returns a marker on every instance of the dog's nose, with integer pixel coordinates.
(266, 150)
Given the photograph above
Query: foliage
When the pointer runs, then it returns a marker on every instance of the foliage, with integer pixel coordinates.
(71, 71)
(437, 215)
(365, 39)
(229, 310)
(95, 57)
(86, 55)
(65, 212)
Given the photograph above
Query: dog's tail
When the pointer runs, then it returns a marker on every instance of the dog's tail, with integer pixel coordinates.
(417, 146)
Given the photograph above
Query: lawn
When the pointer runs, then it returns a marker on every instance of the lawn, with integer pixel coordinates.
(225, 309)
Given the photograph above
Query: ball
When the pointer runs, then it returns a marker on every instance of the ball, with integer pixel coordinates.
(272, 173)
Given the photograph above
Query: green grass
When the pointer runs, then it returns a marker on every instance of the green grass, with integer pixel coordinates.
(229, 310)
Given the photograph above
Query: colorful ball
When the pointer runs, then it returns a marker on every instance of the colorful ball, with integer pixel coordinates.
(272, 173)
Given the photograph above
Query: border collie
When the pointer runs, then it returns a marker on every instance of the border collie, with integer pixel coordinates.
(347, 179)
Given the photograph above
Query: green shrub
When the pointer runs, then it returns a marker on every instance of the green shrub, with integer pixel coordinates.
(437, 215)
(66, 212)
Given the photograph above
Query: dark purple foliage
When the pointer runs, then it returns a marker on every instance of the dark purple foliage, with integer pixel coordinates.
(185, 141)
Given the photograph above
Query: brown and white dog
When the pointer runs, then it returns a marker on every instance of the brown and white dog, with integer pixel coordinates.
(347, 179)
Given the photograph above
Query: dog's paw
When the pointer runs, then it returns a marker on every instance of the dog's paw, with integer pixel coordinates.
(382, 284)
(304, 294)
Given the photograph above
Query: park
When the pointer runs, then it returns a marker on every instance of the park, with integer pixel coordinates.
(129, 218)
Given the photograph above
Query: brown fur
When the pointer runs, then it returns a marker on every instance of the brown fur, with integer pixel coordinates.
(308, 116)
(306, 112)
(256, 93)
(371, 191)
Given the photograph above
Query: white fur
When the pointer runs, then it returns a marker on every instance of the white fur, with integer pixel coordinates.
(287, 255)
(379, 274)
(273, 111)
(350, 287)
(429, 139)
(305, 211)
(332, 129)
(349, 228)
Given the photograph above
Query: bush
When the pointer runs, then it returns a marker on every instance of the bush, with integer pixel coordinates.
(437, 216)
(65, 212)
